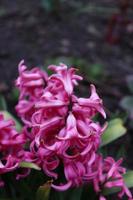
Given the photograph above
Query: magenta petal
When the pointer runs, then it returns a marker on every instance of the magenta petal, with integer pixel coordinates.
(62, 187)
(115, 183)
(102, 198)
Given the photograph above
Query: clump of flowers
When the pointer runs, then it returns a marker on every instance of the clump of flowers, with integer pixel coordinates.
(11, 148)
(61, 131)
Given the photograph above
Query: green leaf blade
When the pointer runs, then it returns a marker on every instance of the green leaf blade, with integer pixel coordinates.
(114, 130)
(29, 165)
(3, 105)
(128, 178)
(43, 191)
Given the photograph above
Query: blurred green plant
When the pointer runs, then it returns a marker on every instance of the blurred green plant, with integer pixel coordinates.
(127, 102)
(51, 5)
(43, 191)
(3, 105)
(14, 94)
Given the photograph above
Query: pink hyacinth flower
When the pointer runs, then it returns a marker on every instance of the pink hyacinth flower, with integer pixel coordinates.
(62, 130)
(67, 77)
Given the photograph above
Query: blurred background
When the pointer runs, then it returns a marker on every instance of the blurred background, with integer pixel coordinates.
(94, 36)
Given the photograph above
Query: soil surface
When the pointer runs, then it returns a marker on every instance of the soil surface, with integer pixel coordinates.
(76, 30)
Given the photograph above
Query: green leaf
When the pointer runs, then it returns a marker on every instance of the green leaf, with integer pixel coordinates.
(29, 165)
(44, 191)
(8, 115)
(14, 94)
(128, 177)
(3, 105)
(114, 130)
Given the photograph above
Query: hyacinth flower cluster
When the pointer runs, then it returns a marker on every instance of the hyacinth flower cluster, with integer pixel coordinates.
(12, 151)
(61, 132)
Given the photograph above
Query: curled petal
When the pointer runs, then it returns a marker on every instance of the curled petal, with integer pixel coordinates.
(62, 187)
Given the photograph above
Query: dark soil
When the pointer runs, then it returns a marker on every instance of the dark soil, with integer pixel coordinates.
(28, 32)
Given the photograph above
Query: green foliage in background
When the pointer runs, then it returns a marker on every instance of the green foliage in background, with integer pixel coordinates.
(51, 5)
(127, 102)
